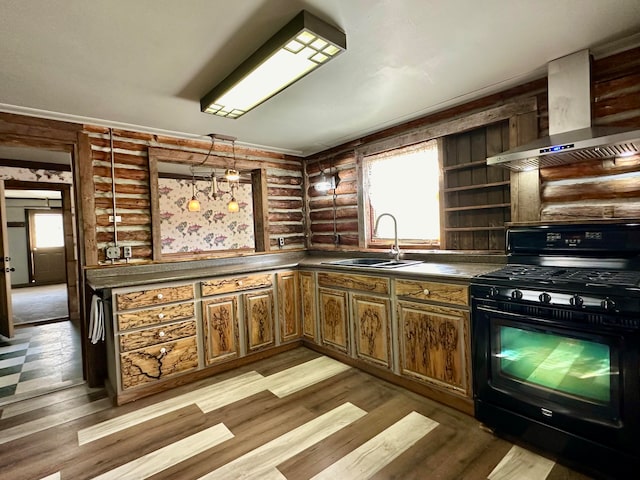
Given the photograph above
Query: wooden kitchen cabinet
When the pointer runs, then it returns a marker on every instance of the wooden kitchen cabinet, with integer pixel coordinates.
(371, 317)
(289, 306)
(259, 319)
(155, 334)
(308, 301)
(334, 319)
(357, 305)
(434, 338)
(220, 327)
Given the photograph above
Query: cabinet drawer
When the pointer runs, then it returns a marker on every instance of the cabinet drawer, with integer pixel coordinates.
(153, 316)
(153, 296)
(235, 284)
(153, 336)
(433, 291)
(365, 283)
(155, 363)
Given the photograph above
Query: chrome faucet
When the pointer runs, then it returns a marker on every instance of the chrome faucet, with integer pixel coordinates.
(395, 248)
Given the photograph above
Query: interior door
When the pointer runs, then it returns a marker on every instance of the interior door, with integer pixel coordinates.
(47, 247)
(6, 312)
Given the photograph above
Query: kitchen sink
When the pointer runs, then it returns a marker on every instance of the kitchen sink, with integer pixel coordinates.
(373, 262)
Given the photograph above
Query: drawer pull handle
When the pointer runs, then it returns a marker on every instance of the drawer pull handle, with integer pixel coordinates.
(163, 350)
(426, 291)
(159, 296)
(161, 316)
(161, 333)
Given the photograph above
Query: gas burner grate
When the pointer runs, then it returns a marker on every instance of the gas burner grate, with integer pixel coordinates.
(534, 273)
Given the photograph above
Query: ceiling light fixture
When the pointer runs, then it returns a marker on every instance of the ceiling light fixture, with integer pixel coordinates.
(301, 46)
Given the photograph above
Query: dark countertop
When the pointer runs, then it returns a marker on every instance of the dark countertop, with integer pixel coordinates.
(441, 265)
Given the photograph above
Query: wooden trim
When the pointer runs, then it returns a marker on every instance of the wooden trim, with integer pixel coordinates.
(525, 186)
(86, 191)
(154, 196)
(58, 167)
(456, 125)
(441, 194)
(472, 229)
(477, 207)
(260, 209)
(479, 163)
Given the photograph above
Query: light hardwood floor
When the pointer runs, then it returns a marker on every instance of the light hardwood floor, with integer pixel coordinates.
(297, 415)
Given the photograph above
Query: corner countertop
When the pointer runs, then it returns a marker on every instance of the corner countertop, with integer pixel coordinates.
(441, 265)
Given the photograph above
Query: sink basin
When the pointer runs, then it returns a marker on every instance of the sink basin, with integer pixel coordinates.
(373, 262)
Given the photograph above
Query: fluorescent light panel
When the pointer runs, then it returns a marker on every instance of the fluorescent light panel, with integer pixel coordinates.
(300, 47)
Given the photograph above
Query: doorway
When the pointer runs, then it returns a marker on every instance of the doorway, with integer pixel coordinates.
(45, 351)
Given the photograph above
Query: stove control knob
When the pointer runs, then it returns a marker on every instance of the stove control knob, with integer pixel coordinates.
(516, 295)
(494, 292)
(608, 304)
(576, 301)
(545, 297)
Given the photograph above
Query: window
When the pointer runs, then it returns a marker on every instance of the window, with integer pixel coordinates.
(405, 183)
(47, 230)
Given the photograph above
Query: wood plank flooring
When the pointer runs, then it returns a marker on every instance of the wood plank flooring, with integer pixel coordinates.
(298, 415)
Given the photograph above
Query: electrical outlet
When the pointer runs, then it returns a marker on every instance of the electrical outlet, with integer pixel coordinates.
(126, 251)
(112, 253)
(281, 241)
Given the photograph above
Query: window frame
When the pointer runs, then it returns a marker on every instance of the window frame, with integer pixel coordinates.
(366, 220)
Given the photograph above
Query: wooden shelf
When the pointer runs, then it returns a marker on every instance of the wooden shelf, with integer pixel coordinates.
(477, 187)
(472, 229)
(477, 207)
(462, 166)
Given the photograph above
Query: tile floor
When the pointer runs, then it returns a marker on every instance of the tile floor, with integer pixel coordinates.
(39, 358)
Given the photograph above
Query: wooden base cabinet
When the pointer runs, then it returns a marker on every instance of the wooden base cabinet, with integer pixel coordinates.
(288, 306)
(308, 301)
(220, 325)
(433, 345)
(259, 319)
(334, 319)
(153, 343)
(372, 330)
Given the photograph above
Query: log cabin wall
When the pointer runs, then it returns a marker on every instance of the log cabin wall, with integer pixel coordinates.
(602, 189)
(133, 196)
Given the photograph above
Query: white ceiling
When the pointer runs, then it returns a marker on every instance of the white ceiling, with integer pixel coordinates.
(144, 64)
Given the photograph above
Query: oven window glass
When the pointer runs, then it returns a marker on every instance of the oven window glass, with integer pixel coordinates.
(566, 365)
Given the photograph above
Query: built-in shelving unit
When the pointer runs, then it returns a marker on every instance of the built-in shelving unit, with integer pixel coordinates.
(476, 197)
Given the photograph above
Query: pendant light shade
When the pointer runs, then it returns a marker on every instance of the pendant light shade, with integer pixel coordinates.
(193, 205)
(233, 206)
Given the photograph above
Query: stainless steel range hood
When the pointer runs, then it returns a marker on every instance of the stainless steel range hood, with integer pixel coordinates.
(572, 138)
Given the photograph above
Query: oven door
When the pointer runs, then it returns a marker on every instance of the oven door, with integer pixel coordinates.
(581, 379)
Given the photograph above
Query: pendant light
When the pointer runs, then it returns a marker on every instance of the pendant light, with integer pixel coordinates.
(233, 206)
(194, 203)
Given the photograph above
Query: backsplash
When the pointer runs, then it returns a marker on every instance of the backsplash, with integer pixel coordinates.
(213, 227)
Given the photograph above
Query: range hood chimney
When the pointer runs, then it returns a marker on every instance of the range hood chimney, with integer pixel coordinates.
(571, 137)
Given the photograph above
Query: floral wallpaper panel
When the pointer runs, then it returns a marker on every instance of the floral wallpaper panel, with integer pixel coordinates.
(213, 227)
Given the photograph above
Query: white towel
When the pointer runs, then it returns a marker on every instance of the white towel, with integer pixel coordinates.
(96, 320)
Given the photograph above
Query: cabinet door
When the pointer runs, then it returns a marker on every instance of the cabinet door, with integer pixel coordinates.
(258, 313)
(333, 319)
(308, 296)
(434, 343)
(371, 318)
(288, 306)
(220, 320)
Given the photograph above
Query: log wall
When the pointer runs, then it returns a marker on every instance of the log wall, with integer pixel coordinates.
(597, 190)
(133, 183)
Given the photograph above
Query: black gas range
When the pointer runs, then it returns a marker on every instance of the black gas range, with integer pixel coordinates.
(556, 343)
